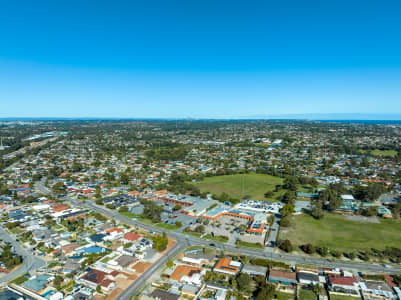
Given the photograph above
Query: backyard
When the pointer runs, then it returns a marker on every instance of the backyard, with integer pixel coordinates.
(307, 295)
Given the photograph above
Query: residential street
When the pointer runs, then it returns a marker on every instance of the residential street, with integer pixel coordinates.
(127, 293)
(31, 262)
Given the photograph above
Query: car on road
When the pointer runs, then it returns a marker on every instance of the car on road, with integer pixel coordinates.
(212, 245)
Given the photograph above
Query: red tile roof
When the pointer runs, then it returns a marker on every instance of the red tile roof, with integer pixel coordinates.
(130, 236)
(339, 280)
(390, 280)
(224, 265)
(59, 207)
(115, 229)
(283, 274)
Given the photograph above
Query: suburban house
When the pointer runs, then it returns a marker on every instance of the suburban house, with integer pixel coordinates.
(282, 277)
(227, 266)
(348, 285)
(94, 277)
(307, 278)
(197, 259)
(187, 274)
(376, 290)
(254, 270)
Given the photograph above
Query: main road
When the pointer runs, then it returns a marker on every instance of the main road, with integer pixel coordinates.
(267, 253)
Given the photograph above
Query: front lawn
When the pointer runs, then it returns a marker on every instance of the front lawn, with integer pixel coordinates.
(218, 238)
(246, 244)
(168, 226)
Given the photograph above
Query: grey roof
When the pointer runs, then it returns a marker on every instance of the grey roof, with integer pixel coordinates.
(125, 260)
(307, 276)
(253, 269)
(199, 256)
(190, 287)
(164, 295)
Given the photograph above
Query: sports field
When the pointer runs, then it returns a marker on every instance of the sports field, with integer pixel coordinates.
(382, 153)
(238, 186)
(336, 232)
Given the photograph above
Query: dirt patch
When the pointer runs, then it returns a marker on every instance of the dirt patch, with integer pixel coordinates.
(114, 294)
(115, 245)
(131, 277)
(123, 283)
(140, 267)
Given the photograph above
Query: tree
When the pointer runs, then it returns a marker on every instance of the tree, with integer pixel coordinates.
(266, 292)
(317, 211)
(291, 183)
(76, 167)
(243, 282)
(268, 194)
(200, 229)
(335, 202)
(58, 280)
(151, 211)
(160, 242)
(170, 264)
(289, 197)
(98, 289)
(124, 178)
(242, 228)
(371, 211)
(368, 193)
(98, 192)
(308, 248)
(178, 223)
(285, 222)
(323, 251)
(177, 207)
(337, 254)
(317, 289)
(110, 206)
(58, 188)
(287, 210)
(286, 246)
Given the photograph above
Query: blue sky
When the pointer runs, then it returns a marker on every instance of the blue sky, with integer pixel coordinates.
(205, 58)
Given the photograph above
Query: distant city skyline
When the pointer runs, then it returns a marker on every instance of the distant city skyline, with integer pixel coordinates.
(209, 59)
